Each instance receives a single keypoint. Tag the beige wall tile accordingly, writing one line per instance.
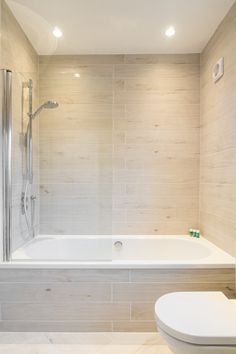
(55, 292)
(143, 311)
(59, 312)
(75, 60)
(55, 326)
(17, 52)
(70, 226)
(182, 276)
(171, 175)
(127, 121)
(159, 70)
(218, 156)
(150, 97)
(148, 292)
(63, 275)
(161, 58)
(134, 326)
(152, 228)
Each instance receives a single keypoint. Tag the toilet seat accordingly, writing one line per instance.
(200, 318)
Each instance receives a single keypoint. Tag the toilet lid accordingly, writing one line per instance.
(201, 318)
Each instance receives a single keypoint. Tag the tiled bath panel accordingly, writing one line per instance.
(101, 300)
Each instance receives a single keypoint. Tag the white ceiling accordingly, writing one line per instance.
(119, 26)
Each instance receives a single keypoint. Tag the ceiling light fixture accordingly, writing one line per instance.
(170, 31)
(57, 32)
(77, 75)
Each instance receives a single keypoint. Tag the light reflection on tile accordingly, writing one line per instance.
(83, 349)
(86, 343)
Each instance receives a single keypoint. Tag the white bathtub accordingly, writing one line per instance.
(136, 252)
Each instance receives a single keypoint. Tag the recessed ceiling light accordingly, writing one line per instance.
(170, 31)
(57, 32)
(77, 75)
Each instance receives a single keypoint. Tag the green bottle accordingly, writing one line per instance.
(190, 231)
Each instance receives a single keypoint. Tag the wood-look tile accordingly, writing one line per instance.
(214, 275)
(185, 175)
(63, 275)
(88, 97)
(55, 326)
(165, 70)
(218, 176)
(72, 311)
(156, 97)
(155, 150)
(134, 326)
(152, 228)
(162, 58)
(159, 190)
(140, 137)
(68, 68)
(173, 214)
(76, 60)
(152, 203)
(147, 292)
(143, 311)
(163, 85)
(55, 292)
(70, 226)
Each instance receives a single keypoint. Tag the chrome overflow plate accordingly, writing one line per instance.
(118, 245)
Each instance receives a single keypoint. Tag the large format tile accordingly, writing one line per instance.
(56, 326)
(148, 292)
(214, 275)
(63, 275)
(128, 120)
(218, 158)
(70, 312)
(55, 292)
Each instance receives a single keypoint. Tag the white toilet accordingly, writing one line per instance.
(197, 322)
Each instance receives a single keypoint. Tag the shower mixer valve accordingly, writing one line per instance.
(24, 203)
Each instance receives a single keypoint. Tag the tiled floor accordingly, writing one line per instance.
(86, 343)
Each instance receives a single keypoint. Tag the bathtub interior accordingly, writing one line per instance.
(121, 250)
(65, 248)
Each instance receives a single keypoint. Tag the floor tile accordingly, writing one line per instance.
(82, 343)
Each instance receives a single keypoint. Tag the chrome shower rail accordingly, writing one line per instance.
(6, 160)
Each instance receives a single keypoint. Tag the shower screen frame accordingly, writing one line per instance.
(6, 162)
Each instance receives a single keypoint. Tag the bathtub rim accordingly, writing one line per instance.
(111, 265)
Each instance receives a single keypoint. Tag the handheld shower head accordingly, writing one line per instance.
(46, 105)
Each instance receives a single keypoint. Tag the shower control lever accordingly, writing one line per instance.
(24, 203)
